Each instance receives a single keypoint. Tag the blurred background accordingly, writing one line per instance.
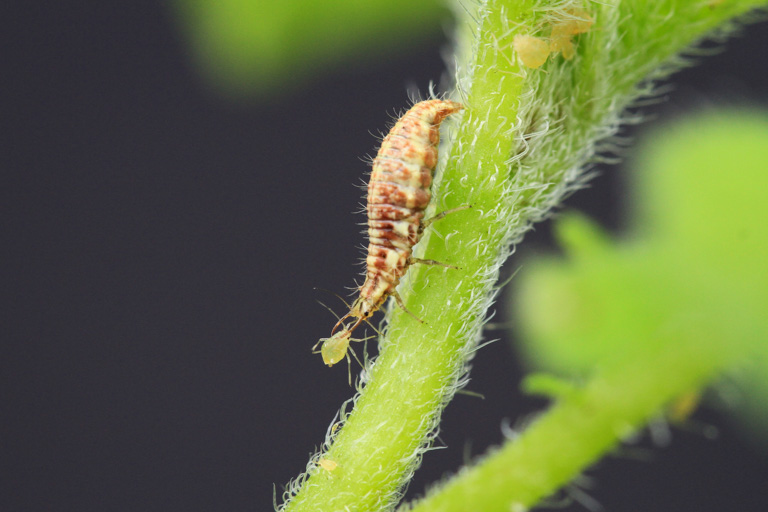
(177, 177)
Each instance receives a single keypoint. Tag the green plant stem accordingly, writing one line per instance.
(580, 428)
(421, 365)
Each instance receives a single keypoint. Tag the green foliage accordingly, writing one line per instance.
(644, 324)
(695, 265)
(251, 47)
(520, 146)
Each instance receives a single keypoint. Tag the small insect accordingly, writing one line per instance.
(327, 464)
(335, 348)
(533, 51)
(398, 194)
(577, 21)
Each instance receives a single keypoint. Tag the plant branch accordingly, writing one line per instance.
(583, 425)
(519, 148)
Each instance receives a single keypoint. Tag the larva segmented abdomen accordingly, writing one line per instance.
(398, 193)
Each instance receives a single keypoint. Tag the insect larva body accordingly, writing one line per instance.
(398, 194)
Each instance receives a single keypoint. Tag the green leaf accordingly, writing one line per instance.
(519, 147)
(695, 263)
(250, 46)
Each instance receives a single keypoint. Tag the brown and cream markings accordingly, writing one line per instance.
(398, 194)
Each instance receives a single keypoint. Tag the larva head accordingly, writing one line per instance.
(363, 309)
(444, 109)
(335, 348)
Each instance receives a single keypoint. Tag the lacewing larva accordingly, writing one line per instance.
(399, 191)
(398, 194)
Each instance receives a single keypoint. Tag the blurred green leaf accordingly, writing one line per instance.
(695, 264)
(258, 47)
(702, 191)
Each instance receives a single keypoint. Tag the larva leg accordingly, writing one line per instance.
(402, 306)
(431, 262)
(426, 223)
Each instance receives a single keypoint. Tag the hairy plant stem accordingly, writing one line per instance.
(581, 427)
(519, 148)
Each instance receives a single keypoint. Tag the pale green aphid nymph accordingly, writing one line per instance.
(335, 348)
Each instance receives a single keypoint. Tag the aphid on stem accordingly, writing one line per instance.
(533, 51)
(327, 464)
(575, 21)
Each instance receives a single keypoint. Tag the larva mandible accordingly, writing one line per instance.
(398, 194)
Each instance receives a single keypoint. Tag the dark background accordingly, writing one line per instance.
(160, 245)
